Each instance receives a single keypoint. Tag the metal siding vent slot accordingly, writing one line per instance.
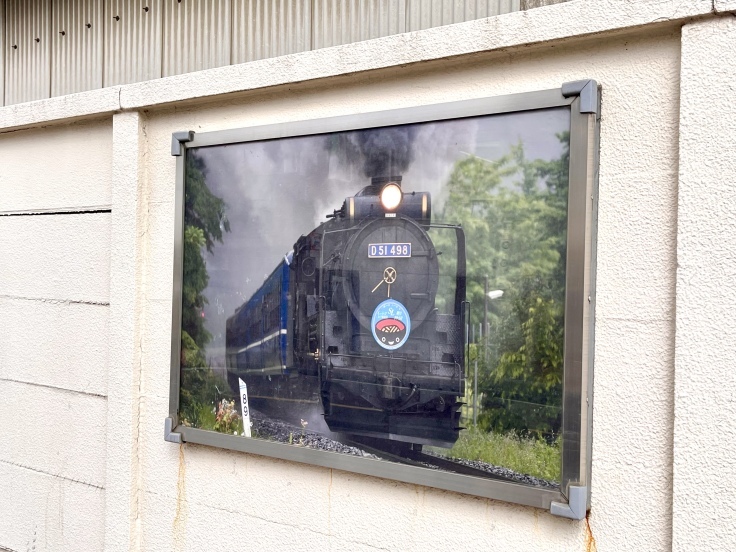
(28, 47)
(3, 40)
(424, 14)
(270, 28)
(196, 35)
(532, 4)
(76, 57)
(133, 41)
(341, 22)
(508, 6)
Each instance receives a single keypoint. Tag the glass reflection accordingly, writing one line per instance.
(394, 292)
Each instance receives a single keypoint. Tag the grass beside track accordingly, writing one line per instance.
(523, 455)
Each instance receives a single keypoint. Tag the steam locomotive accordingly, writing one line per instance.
(348, 322)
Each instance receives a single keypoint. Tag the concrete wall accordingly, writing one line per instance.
(705, 382)
(54, 300)
(665, 266)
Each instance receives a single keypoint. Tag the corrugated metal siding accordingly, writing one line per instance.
(76, 53)
(343, 21)
(133, 40)
(423, 14)
(28, 46)
(3, 38)
(85, 44)
(270, 28)
(196, 35)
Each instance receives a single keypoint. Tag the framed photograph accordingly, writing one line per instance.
(406, 294)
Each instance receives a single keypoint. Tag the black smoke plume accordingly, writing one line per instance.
(386, 151)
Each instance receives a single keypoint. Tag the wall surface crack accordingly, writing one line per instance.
(61, 211)
(56, 301)
(56, 475)
(55, 388)
(590, 545)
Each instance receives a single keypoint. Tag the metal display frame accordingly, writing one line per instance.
(573, 498)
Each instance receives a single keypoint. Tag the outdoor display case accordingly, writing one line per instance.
(407, 294)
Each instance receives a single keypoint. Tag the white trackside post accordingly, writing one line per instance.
(244, 407)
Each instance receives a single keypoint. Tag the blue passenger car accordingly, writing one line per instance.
(258, 333)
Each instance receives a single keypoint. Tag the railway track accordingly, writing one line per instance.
(280, 430)
(407, 455)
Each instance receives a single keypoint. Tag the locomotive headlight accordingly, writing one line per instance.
(391, 196)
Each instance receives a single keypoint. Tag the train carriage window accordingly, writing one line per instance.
(411, 286)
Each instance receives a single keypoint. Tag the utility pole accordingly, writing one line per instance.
(485, 330)
(485, 308)
(484, 338)
(475, 391)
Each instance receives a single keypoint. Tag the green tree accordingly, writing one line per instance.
(514, 213)
(203, 209)
(204, 223)
(471, 189)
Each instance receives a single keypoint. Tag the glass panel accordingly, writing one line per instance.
(394, 292)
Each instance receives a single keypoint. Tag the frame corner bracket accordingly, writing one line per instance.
(588, 92)
(577, 504)
(179, 138)
(169, 434)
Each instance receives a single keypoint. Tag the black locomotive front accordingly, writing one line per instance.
(366, 324)
(349, 323)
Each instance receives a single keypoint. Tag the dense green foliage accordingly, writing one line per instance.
(204, 223)
(514, 214)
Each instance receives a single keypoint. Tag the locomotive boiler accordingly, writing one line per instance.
(350, 321)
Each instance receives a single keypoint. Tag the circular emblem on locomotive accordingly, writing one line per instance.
(391, 324)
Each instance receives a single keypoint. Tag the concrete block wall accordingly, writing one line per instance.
(54, 300)
(92, 471)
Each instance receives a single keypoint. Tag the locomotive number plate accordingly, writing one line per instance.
(382, 250)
